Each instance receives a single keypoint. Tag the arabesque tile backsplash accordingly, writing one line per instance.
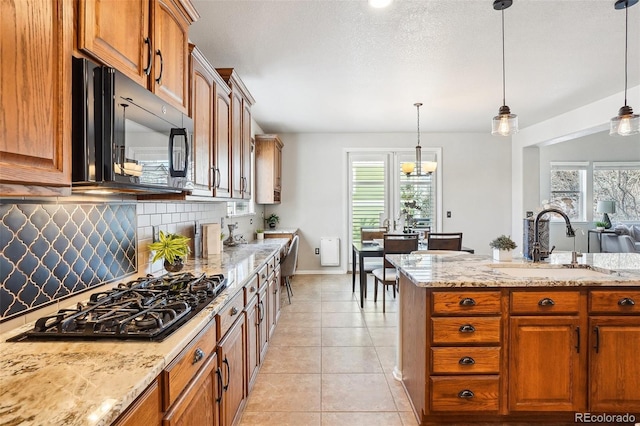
(52, 252)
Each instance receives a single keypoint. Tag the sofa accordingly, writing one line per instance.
(625, 240)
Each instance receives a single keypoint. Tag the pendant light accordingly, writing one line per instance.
(419, 167)
(505, 123)
(626, 123)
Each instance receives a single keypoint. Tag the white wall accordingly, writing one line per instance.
(476, 177)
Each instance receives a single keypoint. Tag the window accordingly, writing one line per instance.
(568, 189)
(378, 189)
(619, 182)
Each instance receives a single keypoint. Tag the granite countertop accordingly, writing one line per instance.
(93, 382)
(281, 231)
(468, 270)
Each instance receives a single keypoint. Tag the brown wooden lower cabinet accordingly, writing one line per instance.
(232, 362)
(146, 410)
(197, 405)
(544, 355)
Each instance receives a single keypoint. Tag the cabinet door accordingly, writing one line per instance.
(197, 405)
(117, 33)
(278, 169)
(202, 93)
(247, 150)
(222, 141)
(253, 341)
(232, 363)
(263, 320)
(614, 368)
(274, 300)
(546, 364)
(35, 94)
(171, 39)
(236, 146)
(146, 410)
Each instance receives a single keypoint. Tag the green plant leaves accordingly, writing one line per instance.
(170, 247)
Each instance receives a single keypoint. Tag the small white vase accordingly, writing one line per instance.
(259, 235)
(502, 255)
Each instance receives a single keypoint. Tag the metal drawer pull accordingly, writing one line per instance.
(467, 328)
(466, 394)
(234, 311)
(627, 301)
(466, 360)
(252, 289)
(546, 302)
(198, 355)
(467, 301)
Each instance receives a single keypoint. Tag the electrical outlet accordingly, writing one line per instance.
(156, 233)
(448, 214)
(317, 250)
(251, 221)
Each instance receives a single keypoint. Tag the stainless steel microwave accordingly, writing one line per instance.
(125, 138)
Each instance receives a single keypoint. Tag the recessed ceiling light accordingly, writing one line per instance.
(379, 4)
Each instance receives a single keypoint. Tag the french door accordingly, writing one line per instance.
(381, 194)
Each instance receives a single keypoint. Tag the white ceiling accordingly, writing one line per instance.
(341, 66)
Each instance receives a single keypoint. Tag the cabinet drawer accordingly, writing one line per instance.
(618, 301)
(251, 289)
(466, 360)
(226, 317)
(545, 302)
(464, 393)
(465, 330)
(184, 367)
(466, 302)
(271, 264)
(263, 274)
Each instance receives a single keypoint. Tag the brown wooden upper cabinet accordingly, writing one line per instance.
(210, 110)
(241, 142)
(145, 39)
(268, 169)
(35, 97)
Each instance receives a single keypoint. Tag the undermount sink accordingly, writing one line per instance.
(555, 271)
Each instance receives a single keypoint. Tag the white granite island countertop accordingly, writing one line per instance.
(93, 382)
(467, 270)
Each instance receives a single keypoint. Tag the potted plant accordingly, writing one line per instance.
(272, 220)
(502, 248)
(259, 234)
(601, 226)
(173, 248)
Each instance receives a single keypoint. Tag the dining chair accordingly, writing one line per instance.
(370, 234)
(288, 265)
(445, 241)
(388, 275)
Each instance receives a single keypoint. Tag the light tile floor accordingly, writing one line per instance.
(329, 362)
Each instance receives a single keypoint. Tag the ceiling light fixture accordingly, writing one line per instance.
(626, 122)
(419, 167)
(505, 123)
(379, 4)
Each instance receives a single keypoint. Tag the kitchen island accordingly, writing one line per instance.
(94, 382)
(519, 342)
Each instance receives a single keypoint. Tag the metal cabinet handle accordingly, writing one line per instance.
(234, 311)
(263, 276)
(467, 328)
(252, 289)
(260, 312)
(159, 79)
(578, 339)
(226, 362)
(626, 301)
(546, 302)
(147, 69)
(466, 360)
(596, 330)
(197, 356)
(218, 178)
(219, 376)
(466, 394)
(214, 177)
(467, 301)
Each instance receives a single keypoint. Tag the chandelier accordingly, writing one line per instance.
(419, 168)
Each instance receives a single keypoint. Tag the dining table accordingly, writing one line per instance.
(364, 249)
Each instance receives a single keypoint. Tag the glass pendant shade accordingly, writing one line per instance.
(505, 123)
(429, 167)
(408, 168)
(626, 123)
